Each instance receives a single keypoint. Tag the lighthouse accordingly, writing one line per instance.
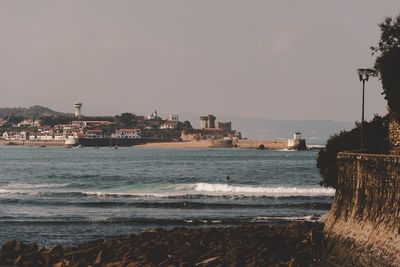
(78, 107)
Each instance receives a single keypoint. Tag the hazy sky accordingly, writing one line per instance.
(272, 59)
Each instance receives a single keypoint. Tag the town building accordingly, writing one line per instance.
(29, 123)
(128, 133)
(227, 126)
(173, 117)
(94, 133)
(153, 116)
(169, 125)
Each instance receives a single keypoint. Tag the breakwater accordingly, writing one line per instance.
(299, 144)
(363, 226)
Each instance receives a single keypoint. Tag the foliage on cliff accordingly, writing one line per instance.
(387, 62)
(376, 133)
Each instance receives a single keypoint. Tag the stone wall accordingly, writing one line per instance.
(394, 133)
(363, 226)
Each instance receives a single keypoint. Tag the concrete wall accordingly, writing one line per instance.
(363, 226)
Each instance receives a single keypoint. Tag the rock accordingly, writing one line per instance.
(99, 258)
(209, 260)
(19, 246)
(9, 245)
(32, 246)
(56, 250)
(18, 260)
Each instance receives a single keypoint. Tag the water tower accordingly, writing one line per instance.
(78, 107)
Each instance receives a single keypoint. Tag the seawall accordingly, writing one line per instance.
(33, 143)
(277, 144)
(363, 226)
(296, 144)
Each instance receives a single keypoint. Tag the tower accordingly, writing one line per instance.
(203, 122)
(78, 112)
(211, 121)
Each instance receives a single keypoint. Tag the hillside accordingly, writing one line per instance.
(32, 112)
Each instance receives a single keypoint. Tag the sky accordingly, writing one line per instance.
(288, 60)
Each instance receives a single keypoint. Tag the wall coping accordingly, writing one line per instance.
(368, 156)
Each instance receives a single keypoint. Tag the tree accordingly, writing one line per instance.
(54, 120)
(387, 62)
(184, 126)
(126, 119)
(377, 141)
(14, 119)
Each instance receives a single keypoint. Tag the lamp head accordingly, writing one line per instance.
(364, 74)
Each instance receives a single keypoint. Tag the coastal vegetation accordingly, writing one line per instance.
(377, 142)
(387, 65)
(387, 62)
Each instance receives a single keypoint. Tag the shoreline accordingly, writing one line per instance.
(288, 244)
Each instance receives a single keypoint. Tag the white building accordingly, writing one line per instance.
(169, 125)
(153, 115)
(295, 140)
(173, 117)
(94, 133)
(6, 136)
(59, 136)
(29, 123)
(15, 135)
(127, 133)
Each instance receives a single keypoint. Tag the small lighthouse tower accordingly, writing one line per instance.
(78, 107)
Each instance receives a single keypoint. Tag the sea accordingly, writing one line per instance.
(55, 195)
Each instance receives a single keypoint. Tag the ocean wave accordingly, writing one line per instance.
(263, 191)
(191, 191)
(310, 218)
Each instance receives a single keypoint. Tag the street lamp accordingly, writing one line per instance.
(363, 74)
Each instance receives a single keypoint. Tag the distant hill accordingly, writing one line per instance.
(32, 112)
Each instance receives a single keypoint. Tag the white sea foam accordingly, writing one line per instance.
(23, 186)
(310, 218)
(210, 189)
(262, 190)
(13, 191)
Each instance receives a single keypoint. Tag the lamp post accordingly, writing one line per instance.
(363, 74)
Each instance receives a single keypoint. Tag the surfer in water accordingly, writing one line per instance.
(228, 178)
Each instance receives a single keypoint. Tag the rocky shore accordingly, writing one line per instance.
(247, 245)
